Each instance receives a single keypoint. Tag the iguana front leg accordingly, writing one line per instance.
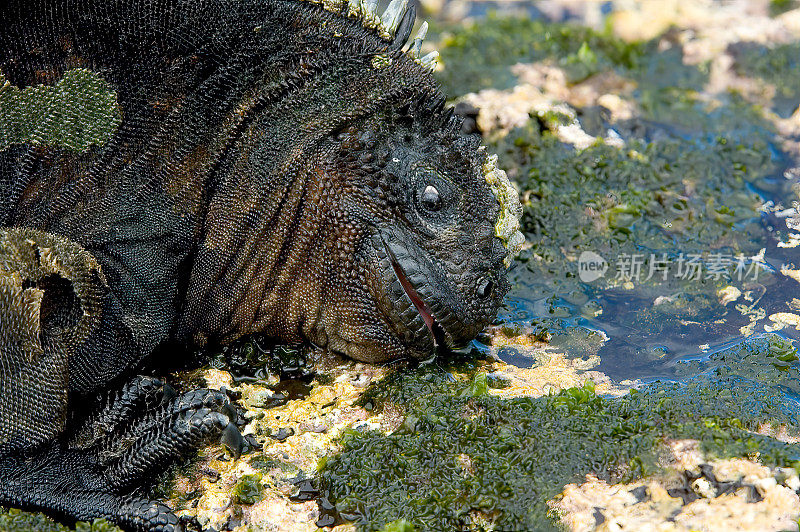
(51, 300)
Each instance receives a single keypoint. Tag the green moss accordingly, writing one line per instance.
(79, 111)
(165, 486)
(480, 56)
(770, 360)
(401, 525)
(777, 7)
(265, 463)
(13, 520)
(466, 460)
(647, 195)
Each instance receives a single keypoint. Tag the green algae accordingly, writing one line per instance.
(776, 65)
(769, 359)
(79, 111)
(248, 490)
(645, 195)
(165, 486)
(401, 525)
(479, 56)
(13, 520)
(466, 460)
(778, 7)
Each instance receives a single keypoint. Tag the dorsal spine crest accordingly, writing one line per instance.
(386, 25)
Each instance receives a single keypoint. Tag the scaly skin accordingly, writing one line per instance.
(195, 172)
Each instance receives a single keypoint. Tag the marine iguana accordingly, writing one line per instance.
(198, 170)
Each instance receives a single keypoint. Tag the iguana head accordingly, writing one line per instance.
(428, 265)
(350, 211)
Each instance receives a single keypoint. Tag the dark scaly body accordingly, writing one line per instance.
(265, 166)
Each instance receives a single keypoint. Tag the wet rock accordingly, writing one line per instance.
(720, 495)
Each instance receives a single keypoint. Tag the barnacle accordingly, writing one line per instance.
(507, 226)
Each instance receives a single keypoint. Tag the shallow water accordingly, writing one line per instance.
(644, 343)
(730, 212)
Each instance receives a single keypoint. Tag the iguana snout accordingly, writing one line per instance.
(453, 302)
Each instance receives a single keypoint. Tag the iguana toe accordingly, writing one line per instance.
(232, 439)
(149, 516)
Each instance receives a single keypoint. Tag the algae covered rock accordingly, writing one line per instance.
(463, 458)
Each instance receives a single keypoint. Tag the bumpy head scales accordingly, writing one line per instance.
(507, 226)
(395, 24)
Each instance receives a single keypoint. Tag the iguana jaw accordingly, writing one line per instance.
(435, 329)
(426, 305)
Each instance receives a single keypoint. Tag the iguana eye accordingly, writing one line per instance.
(430, 199)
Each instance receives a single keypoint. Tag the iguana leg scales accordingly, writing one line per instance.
(121, 407)
(109, 471)
(168, 434)
(67, 484)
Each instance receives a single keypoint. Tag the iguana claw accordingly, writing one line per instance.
(232, 439)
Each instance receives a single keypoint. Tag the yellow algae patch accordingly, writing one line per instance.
(781, 320)
(217, 379)
(579, 505)
(683, 455)
(556, 373)
(314, 421)
(552, 370)
(280, 514)
(292, 436)
(544, 90)
(525, 339)
(213, 477)
(794, 274)
(728, 294)
(507, 226)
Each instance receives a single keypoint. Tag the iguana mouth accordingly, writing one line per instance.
(434, 327)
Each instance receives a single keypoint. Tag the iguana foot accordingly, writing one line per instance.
(103, 468)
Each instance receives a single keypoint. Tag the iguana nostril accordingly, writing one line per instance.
(485, 286)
